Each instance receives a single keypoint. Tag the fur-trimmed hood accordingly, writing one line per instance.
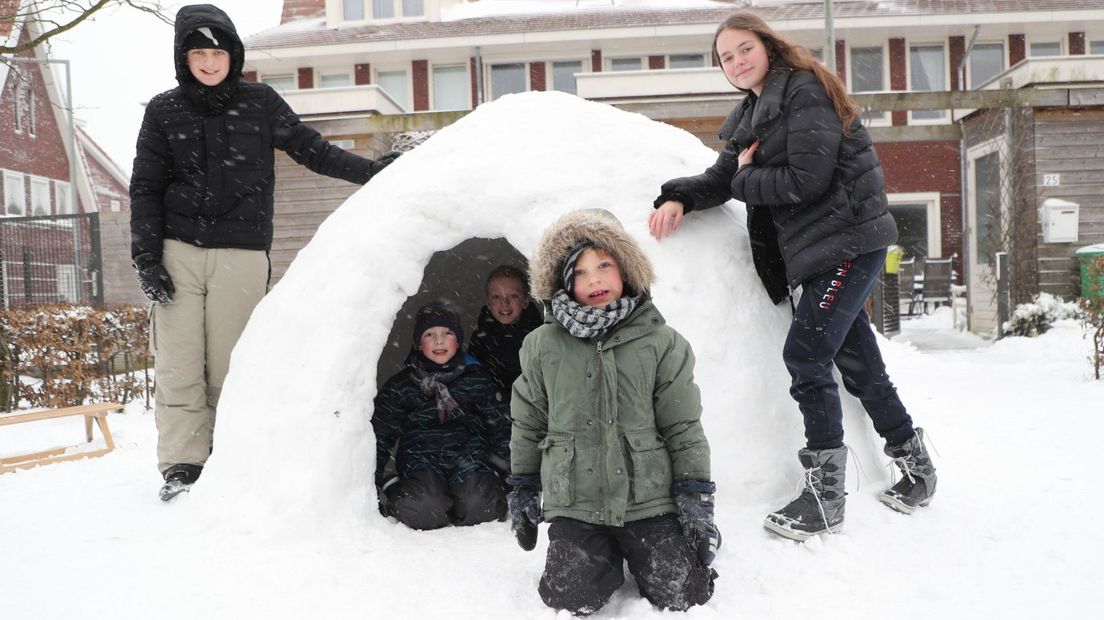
(599, 227)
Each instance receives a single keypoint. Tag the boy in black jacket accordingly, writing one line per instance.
(201, 223)
(508, 316)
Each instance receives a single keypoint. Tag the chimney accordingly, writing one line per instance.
(302, 9)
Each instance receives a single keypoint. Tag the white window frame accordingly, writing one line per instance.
(488, 77)
(608, 62)
(408, 71)
(40, 195)
(61, 198)
(1090, 40)
(11, 179)
(705, 60)
(368, 9)
(970, 82)
(994, 145)
(116, 206)
(876, 119)
(551, 72)
(265, 79)
(320, 74)
(932, 200)
(466, 66)
(1062, 50)
(943, 117)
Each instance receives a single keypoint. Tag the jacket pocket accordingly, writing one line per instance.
(557, 464)
(651, 466)
(245, 144)
(187, 143)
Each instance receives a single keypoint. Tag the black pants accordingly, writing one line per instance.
(424, 501)
(585, 565)
(830, 325)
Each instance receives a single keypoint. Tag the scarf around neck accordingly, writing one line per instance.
(433, 382)
(587, 322)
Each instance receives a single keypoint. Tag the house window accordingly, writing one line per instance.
(625, 64)
(352, 10)
(413, 8)
(1045, 48)
(383, 9)
(40, 196)
(1096, 47)
(23, 105)
(15, 198)
(335, 80)
(987, 195)
(868, 75)
(507, 79)
(986, 62)
(451, 88)
(61, 197)
(917, 217)
(563, 75)
(685, 61)
(927, 72)
(282, 83)
(116, 206)
(396, 85)
(32, 125)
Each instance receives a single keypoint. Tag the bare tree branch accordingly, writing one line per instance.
(54, 17)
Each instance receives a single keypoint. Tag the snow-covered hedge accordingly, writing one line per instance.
(1036, 317)
(58, 356)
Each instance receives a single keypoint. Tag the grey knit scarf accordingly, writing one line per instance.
(433, 385)
(587, 322)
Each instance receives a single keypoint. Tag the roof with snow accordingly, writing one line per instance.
(316, 32)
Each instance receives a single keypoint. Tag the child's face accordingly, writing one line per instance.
(209, 66)
(598, 280)
(439, 344)
(506, 299)
(744, 59)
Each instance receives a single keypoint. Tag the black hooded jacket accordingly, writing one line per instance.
(205, 169)
(496, 346)
(815, 197)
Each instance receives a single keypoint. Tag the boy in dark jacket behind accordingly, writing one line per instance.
(201, 223)
(451, 428)
(508, 316)
(607, 424)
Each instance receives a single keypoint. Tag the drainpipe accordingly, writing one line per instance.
(830, 38)
(479, 98)
(963, 165)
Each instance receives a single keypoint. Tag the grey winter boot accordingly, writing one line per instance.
(917, 484)
(819, 508)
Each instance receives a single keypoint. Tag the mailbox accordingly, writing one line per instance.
(1059, 220)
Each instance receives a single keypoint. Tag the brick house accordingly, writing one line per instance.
(47, 169)
(348, 66)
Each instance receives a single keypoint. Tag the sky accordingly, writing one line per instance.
(123, 57)
(283, 522)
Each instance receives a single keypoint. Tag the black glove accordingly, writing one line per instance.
(695, 506)
(381, 494)
(525, 512)
(383, 161)
(154, 279)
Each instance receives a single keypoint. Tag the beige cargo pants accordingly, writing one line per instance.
(192, 337)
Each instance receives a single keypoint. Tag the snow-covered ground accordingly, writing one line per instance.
(283, 523)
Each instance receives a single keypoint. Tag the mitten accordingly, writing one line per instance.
(381, 493)
(383, 161)
(154, 279)
(695, 506)
(525, 512)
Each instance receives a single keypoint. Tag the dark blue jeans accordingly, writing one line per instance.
(830, 326)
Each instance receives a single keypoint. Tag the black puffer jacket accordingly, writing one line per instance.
(204, 169)
(815, 197)
(496, 346)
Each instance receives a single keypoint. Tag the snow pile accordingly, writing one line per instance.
(293, 436)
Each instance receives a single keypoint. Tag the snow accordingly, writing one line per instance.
(283, 523)
(496, 8)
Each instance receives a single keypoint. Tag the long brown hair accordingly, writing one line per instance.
(794, 56)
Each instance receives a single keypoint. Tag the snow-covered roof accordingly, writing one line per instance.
(468, 19)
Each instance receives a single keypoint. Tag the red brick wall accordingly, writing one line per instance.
(958, 50)
(841, 60)
(299, 9)
(421, 85)
(362, 74)
(249, 76)
(898, 75)
(1017, 50)
(536, 76)
(44, 154)
(928, 167)
(596, 61)
(657, 62)
(306, 77)
(1076, 43)
(474, 83)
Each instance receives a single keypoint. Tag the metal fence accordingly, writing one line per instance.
(51, 259)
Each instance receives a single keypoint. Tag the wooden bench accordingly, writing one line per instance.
(97, 412)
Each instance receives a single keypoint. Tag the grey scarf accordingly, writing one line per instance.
(432, 384)
(587, 322)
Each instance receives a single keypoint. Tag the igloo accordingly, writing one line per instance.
(294, 443)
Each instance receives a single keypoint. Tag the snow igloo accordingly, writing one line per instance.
(294, 442)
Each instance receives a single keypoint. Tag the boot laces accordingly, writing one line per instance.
(814, 476)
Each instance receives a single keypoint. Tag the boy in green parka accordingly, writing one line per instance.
(607, 423)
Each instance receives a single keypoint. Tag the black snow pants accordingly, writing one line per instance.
(830, 326)
(425, 501)
(585, 565)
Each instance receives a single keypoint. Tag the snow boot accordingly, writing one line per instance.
(178, 479)
(917, 485)
(819, 507)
